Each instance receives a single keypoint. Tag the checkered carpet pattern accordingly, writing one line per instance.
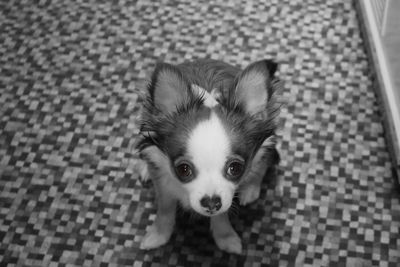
(71, 78)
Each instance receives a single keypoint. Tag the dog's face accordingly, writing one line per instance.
(210, 170)
(209, 141)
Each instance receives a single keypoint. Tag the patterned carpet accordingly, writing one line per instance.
(71, 73)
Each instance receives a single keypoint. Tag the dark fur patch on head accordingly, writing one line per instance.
(169, 132)
(247, 131)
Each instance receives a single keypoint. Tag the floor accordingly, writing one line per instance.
(71, 73)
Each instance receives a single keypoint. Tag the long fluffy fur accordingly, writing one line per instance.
(208, 113)
(223, 77)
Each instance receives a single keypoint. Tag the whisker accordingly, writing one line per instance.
(234, 209)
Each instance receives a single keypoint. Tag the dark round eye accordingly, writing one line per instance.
(184, 171)
(235, 169)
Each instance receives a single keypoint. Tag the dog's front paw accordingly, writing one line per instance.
(142, 170)
(154, 239)
(230, 243)
(249, 193)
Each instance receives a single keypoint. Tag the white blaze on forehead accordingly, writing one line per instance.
(209, 145)
(209, 99)
(208, 148)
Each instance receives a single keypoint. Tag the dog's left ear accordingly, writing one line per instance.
(253, 85)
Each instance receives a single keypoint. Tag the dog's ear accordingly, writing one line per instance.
(253, 85)
(168, 87)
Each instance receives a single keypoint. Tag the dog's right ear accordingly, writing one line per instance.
(168, 88)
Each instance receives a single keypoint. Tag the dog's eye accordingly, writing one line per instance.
(184, 172)
(235, 169)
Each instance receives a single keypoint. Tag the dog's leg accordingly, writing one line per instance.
(141, 168)
(225, 237)
(161, 230)
(250, 189)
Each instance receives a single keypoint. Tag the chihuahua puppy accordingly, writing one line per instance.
(208, 133)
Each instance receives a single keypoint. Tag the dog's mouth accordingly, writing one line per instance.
(209, 212)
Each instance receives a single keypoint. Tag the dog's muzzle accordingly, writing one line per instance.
(211, 204)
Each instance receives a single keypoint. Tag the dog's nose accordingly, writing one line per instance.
(211, 203)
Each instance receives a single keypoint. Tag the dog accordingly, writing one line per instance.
(207, 136)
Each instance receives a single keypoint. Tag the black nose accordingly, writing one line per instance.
(211, 203)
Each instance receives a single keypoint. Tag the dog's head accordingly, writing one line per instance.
(209, 135)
